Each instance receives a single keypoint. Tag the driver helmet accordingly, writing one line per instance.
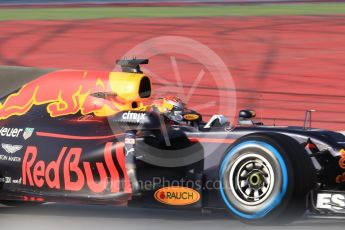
(169, 105)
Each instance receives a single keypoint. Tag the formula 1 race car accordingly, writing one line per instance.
(95, 137)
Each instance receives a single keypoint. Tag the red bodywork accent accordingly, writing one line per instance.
(211, 140)
(72, 137)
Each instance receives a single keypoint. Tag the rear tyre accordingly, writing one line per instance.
(265, 178)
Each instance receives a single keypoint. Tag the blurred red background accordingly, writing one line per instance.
(281, 66)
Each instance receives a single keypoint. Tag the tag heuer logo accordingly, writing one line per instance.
(11, 148)
(28, 133)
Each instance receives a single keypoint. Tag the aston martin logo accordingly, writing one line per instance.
(11, 148)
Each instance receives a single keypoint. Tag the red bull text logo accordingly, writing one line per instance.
(76, 175)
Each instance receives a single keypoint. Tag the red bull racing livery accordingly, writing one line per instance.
(100, 138)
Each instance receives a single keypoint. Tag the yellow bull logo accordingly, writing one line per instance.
(70, 92)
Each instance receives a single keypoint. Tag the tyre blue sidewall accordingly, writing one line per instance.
(278, 197)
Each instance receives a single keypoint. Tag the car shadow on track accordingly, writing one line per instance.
(95, 211)
(112, 212)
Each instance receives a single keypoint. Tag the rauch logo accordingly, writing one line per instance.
(177, 196)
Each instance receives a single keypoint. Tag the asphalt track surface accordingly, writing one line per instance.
(57, 216)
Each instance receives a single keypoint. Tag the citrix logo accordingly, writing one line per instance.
(133, 116)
